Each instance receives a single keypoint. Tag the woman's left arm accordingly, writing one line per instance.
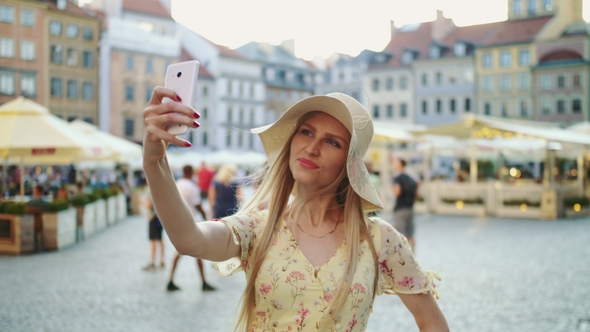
(426, 312)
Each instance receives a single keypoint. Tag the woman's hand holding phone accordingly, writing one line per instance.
(158, 116)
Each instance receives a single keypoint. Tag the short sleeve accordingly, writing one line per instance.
(400, 272)
(245, 229)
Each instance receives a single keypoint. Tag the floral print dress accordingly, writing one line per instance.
(293, 295)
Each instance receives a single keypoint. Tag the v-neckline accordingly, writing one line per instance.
(316, 268)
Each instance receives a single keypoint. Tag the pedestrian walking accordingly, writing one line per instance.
(155, 230)
(405, 189)
(205, 176)
(192, 196)
(224, 193)
(313, 260)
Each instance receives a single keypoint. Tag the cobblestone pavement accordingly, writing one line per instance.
(498, 275)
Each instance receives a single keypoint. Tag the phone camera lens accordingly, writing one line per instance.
(179, 74)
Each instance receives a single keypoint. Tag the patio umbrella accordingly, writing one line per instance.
(29, 133)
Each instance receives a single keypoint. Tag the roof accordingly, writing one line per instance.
(70, 9)
(151, 7)
(273, 54)
(417, 37)
(517, 32)
(186, 56)
(475, 34)
(226, 51)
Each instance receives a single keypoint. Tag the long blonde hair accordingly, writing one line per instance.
(226, 174)
(276, 188)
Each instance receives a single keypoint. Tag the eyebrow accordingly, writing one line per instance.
(327, 134)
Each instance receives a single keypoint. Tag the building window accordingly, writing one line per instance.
(72, 89)
(88, 91)
(561, 82)
(27, 18)
(229, 87)
(56, 87)
(228, 138)
(424, 79)
(129, 127)
(129, 93)
(72, 31)
(6, 47)
(546, 106)
(205, 91)
(504, 109)
(27, 50)
(149, 66)
(229, 115)
(505, 82)
(452, 77)
(524, 57)
(438, 106)
(71, 57)
(55, 28)
(389, 110)
(487, 83)
(6, 14)
(6, 82)
(403, 110)
(459, 49)
(434, 51)
(505, 59)
(87, 34)
(56, 54)
(148, 94)
(403, 83)
(87, 59)
(486, 60)
(438, 78)
(453, 106)
(548, 5)
(28, 85)
(375, 111)
(532, 7)
(487, 109)
(560, 106)
(424, 107)
(205, 139)
(89, 120)
(577, 81)
(204, 112)
(524, 109)
(389, 84)
(576, 106)
(468, 74)
(517, 7)
(375, 85)
(467, 105)
(524, 81)
(545, 82)
(129, 63)
(407, 57)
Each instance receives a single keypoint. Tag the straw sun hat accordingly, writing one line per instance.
(353, 116)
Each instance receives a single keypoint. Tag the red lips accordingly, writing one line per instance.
(306, 163)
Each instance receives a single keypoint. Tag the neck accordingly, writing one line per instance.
(317, 213)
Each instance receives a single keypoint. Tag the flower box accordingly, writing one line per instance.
(17, 234)
(514, 211)
(59, 229)
(583, 212)
(86, 216)
(476, 210)
(111, 210)
(121, 207)
(100, 219)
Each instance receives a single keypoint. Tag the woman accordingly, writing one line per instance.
(224, 193)
(313, 259)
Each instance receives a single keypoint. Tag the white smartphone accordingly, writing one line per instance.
(182, 78)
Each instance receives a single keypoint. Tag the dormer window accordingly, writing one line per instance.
(434, 51)
(548, 5)
(408, 56)
(460, 49)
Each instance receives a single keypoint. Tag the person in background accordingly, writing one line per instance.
(224, 193)
(314, 260)
(405, 189)
(205, 176)
(155, 230)
(192, 196)
(36, 206)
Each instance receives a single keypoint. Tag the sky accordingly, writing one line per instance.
(323, 27)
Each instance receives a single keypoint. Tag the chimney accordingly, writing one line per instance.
(442, 26)
(289, 46)
(393, 29)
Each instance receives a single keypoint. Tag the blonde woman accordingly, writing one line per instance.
(313, 262)
(224, 192)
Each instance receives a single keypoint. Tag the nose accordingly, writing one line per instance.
(313, 148)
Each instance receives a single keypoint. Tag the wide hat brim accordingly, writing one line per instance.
(353, 116)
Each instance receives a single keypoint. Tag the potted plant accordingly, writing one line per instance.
(462, 206)
(100, 221)
(17, 229)
(520, 208)
(59, 225)
(85, 214)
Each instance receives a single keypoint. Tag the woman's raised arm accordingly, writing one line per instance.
(210, 240)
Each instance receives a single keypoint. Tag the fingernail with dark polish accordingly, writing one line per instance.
(196, 124)
(196, 115)
(188, 144)
(178, 98)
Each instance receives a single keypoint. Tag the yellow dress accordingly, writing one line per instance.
(292, 296)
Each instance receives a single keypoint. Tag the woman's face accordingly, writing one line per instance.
(318, 151)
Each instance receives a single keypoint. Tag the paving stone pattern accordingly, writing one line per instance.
(498, 275)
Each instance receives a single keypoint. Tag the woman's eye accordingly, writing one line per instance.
(305, 132)
(333, 142)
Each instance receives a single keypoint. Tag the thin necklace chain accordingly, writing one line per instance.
(322, 236)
